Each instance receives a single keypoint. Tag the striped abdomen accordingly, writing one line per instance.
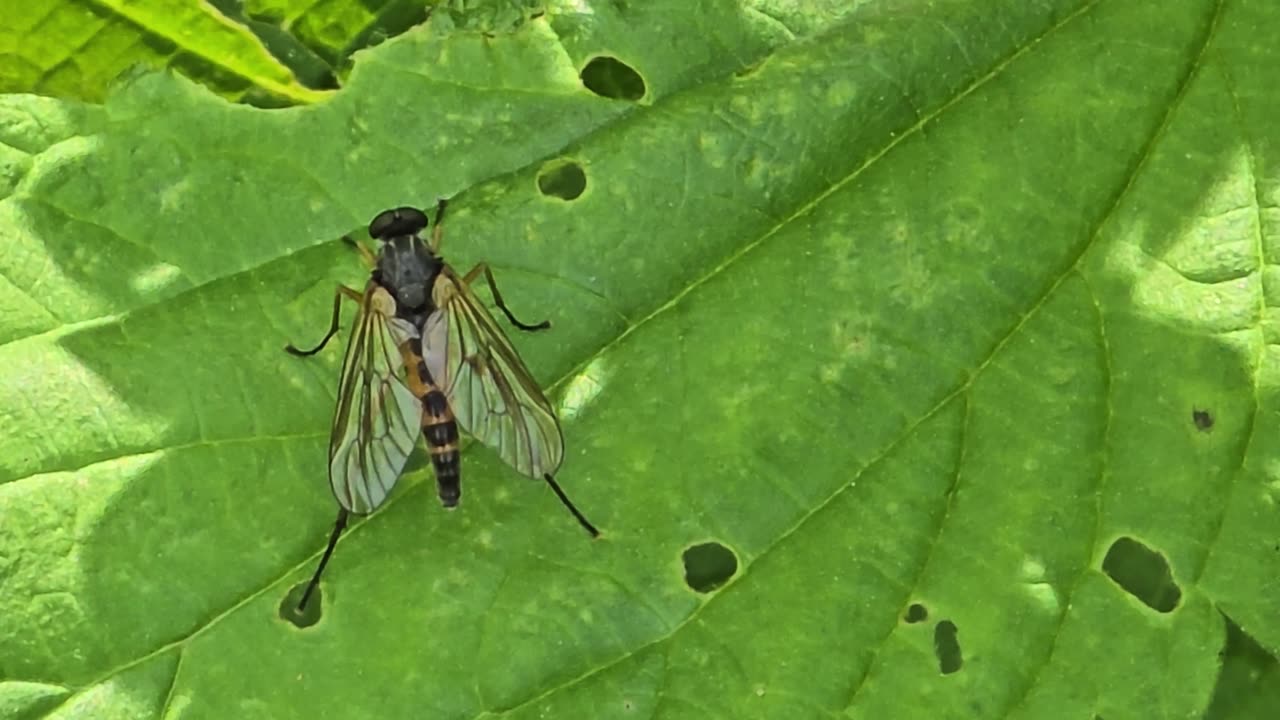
(438, 427)
(441, 432)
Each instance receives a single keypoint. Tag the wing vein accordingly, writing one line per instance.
(369, 447)
(492, 393)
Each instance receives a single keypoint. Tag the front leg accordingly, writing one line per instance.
(497, 297)
(342, 290)
(365, 253)
(435, 234)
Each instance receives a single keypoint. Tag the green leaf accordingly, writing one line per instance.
(949, 323)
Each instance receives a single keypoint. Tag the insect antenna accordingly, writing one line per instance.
(338, 526)
(582, 520)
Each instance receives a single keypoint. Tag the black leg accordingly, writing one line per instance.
(497, 298)
(333, 324)
(582, 520)
(338, 526)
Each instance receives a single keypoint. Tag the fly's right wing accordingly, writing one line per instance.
(378, 417)
(490, 390)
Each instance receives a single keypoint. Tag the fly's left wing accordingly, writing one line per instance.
(378, 416)
(491, 392)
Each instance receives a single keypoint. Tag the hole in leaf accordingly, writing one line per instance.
(563, 179)
(1143, 573)
(916, 613)
(610, 77)
(289, 607)
(1203, 420)
(946, 646)
(709, 565)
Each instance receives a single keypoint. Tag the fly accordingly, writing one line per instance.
(425, 355)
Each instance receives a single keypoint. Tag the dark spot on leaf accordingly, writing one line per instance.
(1202, 419)
(1245, 664)
(563, 179)
(916, 613)
(610, 77)
(393, 19)
(748, 70)
(267, 15)
(946, 646)
(708, 565)
(264, 100)
(307, 617)
(1143, 573)
(628, 705)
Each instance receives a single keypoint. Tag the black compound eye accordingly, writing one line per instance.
(397, 222)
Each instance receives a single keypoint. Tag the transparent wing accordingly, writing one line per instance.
(491, 392)
(378, 418)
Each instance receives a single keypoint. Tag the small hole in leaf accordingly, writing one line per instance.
(610, 77)
(1143, 573)
(306, 617)
(1203, 420)
(563, 179)
(916, 613)
(709, 565)
(946, 646)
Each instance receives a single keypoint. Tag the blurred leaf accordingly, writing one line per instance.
(918, 310)
(76, 49)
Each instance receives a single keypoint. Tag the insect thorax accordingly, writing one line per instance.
(408, 269)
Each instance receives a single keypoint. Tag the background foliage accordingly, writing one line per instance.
(950, 320)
